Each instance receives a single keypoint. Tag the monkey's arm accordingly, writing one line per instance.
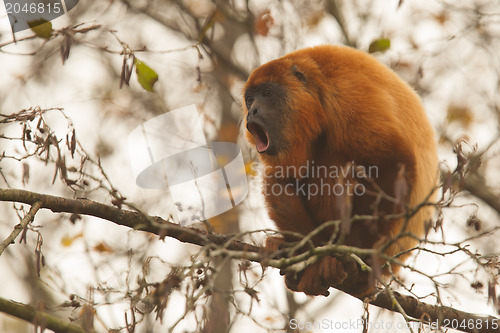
(287, 208)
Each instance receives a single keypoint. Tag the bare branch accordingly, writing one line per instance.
(476, 185)
(127, 218)
(36, 317)
(445, 316)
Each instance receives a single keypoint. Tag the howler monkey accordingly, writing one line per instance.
(340, 134)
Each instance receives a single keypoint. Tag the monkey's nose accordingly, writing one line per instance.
(253, 112)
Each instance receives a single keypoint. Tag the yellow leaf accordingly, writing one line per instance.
(222, 160)
(460, 114)
(102, 247)
(217, 222)
(250, 168)
(67, 241)
(41, 28)
(146, 76)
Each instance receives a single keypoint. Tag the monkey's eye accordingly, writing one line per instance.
(249, 100)
(266, 92)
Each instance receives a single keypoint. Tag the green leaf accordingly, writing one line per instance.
(41, 28)
(146, 76)
(380, 45)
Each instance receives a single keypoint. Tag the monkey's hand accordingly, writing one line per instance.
(327, 272)
(331, 272)
(274, 244)
(317, 278)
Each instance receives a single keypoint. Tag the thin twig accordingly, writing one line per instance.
(28, 218)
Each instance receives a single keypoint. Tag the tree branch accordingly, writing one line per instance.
(36, 317)
(127, 218)
(334, 9)
(232, 247)
(437, 316)
(476, 185)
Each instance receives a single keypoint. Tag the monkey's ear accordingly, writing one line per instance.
(298, 74)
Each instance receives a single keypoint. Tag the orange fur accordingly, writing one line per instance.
(348, 108)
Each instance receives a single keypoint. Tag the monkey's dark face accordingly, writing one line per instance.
(283, 110)
(265, 118)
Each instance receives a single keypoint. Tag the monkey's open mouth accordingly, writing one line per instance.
(260, 135)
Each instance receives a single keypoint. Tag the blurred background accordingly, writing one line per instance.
(78, 82)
